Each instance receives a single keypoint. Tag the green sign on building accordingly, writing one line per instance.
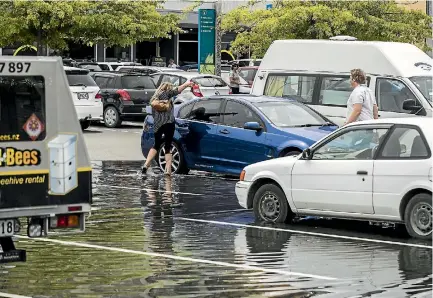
(206, 40)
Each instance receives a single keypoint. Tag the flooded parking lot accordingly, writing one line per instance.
(186, 236)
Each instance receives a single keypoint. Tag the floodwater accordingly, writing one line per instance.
(186, 236)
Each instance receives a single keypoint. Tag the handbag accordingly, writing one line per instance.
(160, 106)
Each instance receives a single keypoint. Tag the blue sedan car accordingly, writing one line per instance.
(224, 134)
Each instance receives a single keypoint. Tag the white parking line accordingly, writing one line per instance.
(179, 258)
(305, 232)
(13, 295)
(153, 190)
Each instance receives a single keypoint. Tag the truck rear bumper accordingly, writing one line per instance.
(41, 211)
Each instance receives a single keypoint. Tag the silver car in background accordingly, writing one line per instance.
(205, 84)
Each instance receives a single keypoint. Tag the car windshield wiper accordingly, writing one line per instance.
(139, 87)
(78, 84)
(328, 124)
(306, 125)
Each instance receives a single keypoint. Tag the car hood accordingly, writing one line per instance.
(313, 134)
(278, 166)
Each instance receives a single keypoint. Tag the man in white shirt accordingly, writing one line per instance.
(362, 103)
(171, 64)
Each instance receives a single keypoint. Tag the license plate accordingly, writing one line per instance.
(7, 227)
(83, 95)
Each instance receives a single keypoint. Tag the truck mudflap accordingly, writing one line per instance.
(9, 253)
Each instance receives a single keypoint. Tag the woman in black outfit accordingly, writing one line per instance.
(163, 124)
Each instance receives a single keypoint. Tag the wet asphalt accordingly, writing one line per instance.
(186, 236)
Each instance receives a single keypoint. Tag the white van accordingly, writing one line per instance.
(317, 72)
(85, 94)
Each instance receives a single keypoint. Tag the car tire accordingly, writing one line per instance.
(270, 205)
(178, 163)
(418, 216)
(85, 124)
(112, 117)
(291, 153)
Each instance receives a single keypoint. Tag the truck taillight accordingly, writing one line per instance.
(124, 95)
(196, 91)
(65, 221)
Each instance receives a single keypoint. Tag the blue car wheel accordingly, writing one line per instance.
(178, 165)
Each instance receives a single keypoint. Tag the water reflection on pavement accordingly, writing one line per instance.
(186, 236)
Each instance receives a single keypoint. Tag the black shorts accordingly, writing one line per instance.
(168, 131)
(235, 90)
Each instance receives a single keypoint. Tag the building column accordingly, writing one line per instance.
(100, 52)
(176, 49)
(133, 52)
(158, 49)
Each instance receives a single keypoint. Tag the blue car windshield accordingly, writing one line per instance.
(289, 114)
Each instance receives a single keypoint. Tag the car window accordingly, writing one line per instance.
(354, 144)
(114, 66)
(185, 111)
(391, 94)
(291, 85)
(155, 78)
(80, 79)
(335, 91)
(170, 79)
(210, 82)
(137, 82)
(248, 74)
(405, 142)
(101, 81)
(22, 108)
(104, 66)
(124, 69)
(206, 111)
(290, 113)
(237, 114)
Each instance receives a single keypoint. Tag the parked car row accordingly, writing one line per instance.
(112, 96)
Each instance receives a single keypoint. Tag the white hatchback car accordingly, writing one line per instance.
(377, 170)
(85, 94)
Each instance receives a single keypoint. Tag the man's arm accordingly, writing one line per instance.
(357, 108)
(375, 112)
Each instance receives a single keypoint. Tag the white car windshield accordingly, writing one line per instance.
(424, 85)
(290, 114)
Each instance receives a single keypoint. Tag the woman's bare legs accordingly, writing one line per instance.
(150, 156)
(168, 161)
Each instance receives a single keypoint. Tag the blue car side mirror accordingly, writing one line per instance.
(253, 126)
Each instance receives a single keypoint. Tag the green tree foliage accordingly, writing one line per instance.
(366, 20)
(115, 22)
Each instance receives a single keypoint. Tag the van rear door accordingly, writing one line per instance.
(43, 157)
